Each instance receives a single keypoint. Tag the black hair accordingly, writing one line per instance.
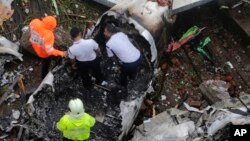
(111, 28)
(74, 32)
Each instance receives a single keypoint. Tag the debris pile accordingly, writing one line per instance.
(177, 125)
(188, 77)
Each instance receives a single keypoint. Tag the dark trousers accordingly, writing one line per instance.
(45, 67)
(85, 67)
(129, 70)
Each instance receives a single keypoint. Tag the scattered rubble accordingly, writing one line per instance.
(177, 125)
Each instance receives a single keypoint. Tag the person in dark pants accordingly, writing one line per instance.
(118, 44)
(85, 67)
(45, 66)
(84, 57)
(129, 70)
(42, 40)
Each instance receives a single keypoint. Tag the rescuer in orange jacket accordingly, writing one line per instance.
(42, 39)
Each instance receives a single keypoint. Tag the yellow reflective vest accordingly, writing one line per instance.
(76, 128)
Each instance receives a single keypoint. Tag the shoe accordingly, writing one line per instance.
(104, 83)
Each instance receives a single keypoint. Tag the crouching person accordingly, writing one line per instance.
(76, 124)
(119, 45)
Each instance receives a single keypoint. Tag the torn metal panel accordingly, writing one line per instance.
(177, 5)
(162, 128)
(129, 112)
(204, 125)
(183, 5)
(48, 80)
(8, 47)
(220, 119)
(109, 3)
(147, 13)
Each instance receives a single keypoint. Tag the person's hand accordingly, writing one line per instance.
(74, 67)
(65, 54)
(99, 54)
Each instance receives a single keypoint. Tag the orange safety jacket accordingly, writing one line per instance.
(42, 40)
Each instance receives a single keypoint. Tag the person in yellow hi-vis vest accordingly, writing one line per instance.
(76, 124)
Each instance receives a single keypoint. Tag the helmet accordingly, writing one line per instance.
(49, 22)
(76, 107)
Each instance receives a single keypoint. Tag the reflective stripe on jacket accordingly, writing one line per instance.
(76, 128)
(42, 40)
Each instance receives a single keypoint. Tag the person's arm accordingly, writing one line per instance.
(109, 52)
(91, 121)
(73, 63)
(49, 46)
(96, 48)
(61, 124)
(111, 55)
(98, 52)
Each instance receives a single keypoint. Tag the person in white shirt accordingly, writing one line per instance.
(118, 44)
(84, 57)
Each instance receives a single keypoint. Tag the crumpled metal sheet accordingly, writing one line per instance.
(8, 47)
(162, 128)
(208, 121)
(129, 111)
(48, 80)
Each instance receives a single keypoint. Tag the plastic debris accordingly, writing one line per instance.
(16, 114)
(163, 97)
(229, 64)
(201, 48)
(189, 35)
